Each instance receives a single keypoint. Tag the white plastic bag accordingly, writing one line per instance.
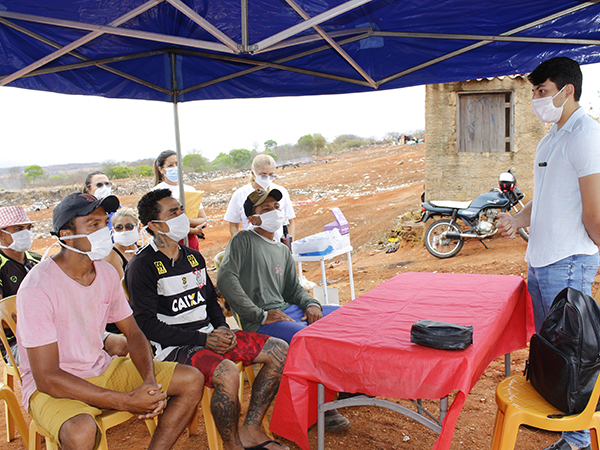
(318, 244)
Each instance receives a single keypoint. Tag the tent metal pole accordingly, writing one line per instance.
(127, 32)
(244, 13)
(173, 57)
(334, 44)
(318, 19)
(78, 43)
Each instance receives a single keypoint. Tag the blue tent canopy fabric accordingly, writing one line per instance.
(220, 49)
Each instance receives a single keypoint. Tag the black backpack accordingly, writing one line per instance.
(564, 358)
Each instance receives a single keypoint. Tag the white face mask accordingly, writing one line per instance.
(100, 240)
(272, 221)
(21, 240)
(264, 181)
(126, 238)
(545, 110)
(179, 227)
(172, 174)
(103, 192)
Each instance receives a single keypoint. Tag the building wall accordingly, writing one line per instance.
(461, 176)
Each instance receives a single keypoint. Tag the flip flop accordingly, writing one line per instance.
(263, 445)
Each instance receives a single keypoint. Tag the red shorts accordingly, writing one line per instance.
(249, 345)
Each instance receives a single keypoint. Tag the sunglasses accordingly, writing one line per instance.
(127, 227)
(105, 183)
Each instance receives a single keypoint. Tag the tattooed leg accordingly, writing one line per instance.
(265, 387)
(225, 405)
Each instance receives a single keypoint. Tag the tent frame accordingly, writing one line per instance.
(226, 49)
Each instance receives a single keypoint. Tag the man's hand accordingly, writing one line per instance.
(221, 340)
(146, 401)
(275, 315)
(196, 230)
(312, 314)
(506, 225)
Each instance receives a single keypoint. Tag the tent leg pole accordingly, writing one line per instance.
(177, 137)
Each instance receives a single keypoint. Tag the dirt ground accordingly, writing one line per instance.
(372, 187)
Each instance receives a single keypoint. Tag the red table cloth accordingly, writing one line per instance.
(365, 346)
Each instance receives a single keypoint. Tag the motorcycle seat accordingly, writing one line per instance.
(450, 204)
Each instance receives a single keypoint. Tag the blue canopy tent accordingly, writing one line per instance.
(184, 50)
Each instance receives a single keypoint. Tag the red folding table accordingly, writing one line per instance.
(365, 347)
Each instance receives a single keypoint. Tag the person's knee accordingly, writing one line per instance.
(274, 352)
(78, 432)
(186, 381)
(280, 347)
(226, 376)
(116, 345)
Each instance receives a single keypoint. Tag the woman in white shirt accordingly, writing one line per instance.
(166, 176)
(263, 174)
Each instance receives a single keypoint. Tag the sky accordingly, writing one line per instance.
(46, 129)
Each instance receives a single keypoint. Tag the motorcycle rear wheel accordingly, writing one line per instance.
(439, 246)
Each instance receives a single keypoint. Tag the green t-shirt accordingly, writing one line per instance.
(257, 275)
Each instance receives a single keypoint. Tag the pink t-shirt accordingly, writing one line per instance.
(52, 307)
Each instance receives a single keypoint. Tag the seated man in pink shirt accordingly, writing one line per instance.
(63, 306)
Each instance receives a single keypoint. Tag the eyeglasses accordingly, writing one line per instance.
(128, 227)
(105, 183)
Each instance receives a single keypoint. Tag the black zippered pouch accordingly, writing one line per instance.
(441, 335)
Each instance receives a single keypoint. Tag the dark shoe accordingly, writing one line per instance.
(561, 444)
(343, 395)
(334, 421)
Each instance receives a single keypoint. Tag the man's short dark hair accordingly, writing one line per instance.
(561, 71)
(149, 208)
(70, 225)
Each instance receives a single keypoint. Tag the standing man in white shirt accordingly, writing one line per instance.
(263, 175)
(564, 213)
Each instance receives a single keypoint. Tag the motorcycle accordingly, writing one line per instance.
(444, 238)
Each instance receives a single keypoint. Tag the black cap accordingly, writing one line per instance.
(79, 205)
(258, 197)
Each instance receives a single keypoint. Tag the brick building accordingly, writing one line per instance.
(475, 130)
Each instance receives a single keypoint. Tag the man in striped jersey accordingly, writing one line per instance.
(175, 305)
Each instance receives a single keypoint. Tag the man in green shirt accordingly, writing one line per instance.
(258, 279)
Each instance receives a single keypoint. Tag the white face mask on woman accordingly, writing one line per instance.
(272, 221)
(264, 181)
(21, 240)
(126, 238)
(100, 240)
(179, 227)
(545, 110)
(103, 192)
(172, 174)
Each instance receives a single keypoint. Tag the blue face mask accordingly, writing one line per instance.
(172, 174)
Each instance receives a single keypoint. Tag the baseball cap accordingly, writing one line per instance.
(78, 205)
(13, 215)
(258, 197)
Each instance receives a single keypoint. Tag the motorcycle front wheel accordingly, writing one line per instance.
(440, 246)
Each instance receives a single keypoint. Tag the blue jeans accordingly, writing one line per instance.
(285, 329)
(544, 284)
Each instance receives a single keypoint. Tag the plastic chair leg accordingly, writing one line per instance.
(594, 438)
(35, 438)
(509, 430)
(497, 430)
(9, 380)
(13, 415)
